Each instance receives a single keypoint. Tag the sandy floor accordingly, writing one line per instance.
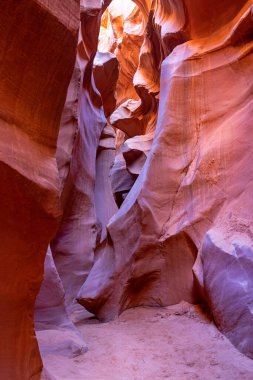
(175, 343)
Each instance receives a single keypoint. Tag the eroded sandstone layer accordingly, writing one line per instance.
(38, 49)
(125, 155)
(192, 198)
(74, 244)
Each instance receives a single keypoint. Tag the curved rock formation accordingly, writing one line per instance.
(56, 334)
(73, 246)
(197, 178)
(38, 44)
(144, 197)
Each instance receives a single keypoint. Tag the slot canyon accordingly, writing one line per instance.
(126, 190)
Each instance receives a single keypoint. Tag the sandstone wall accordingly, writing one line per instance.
(192, 198)
(144, 197)
(38, 49)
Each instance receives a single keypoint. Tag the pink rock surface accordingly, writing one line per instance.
(56, 334)
(134, 174)
(176, 342)
(197, 178)
(74, 244)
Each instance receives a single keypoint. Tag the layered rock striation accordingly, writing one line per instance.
(191, 199)
(125, 155)
(38, 49)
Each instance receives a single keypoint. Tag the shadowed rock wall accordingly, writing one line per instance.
(38, 49)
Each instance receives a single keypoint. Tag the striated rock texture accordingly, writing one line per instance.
(193, 196)
(143, 196)
(38, 49)
(74, 244)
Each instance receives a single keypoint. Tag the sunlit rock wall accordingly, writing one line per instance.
(193, 196)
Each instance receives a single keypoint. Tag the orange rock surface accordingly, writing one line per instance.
(38, 48)
(125, 160)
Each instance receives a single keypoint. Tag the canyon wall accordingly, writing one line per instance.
(74, 244)
(38, 49)
(126, 157)
(191, 203)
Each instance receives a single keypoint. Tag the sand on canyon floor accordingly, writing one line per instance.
(178, 342)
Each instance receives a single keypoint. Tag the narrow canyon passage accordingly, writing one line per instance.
(177, 342)
(126, 190)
